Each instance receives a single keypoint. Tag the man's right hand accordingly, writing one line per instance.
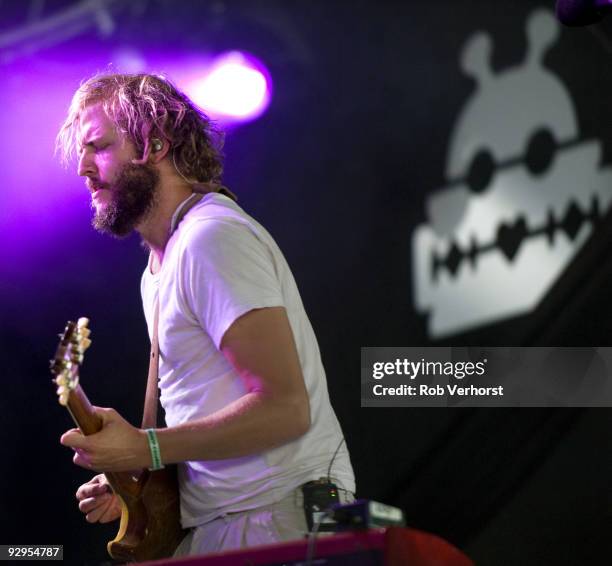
(97, 501)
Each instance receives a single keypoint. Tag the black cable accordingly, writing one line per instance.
(332, 460)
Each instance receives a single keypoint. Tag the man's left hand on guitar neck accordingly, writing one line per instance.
(117, 447)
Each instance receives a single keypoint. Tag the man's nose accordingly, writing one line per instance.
(86, 166)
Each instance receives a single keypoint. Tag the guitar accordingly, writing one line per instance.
(150, 517)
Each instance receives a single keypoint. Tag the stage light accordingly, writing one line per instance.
(236, 88)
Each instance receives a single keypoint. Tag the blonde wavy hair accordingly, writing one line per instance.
(143, 107)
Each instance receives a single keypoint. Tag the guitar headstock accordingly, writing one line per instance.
(69, 357)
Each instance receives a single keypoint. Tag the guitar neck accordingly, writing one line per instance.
(82, 412)
(65, 367)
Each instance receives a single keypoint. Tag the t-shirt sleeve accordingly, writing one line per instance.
(227, 270)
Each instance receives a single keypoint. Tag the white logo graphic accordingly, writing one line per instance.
(523, 193)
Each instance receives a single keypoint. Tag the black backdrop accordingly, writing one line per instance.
(366, 94)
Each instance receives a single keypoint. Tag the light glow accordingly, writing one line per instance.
(237, 87)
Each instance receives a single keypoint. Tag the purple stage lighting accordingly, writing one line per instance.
(129, 60)
(236, 88)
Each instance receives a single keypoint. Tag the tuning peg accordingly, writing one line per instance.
(82, 322)
(84, 343)
(63, 399)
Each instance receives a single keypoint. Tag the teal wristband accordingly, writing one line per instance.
(154, 448)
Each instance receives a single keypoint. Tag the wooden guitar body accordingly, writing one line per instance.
(150, 512)
(150, 516)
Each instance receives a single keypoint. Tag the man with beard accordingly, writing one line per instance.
(248, 416)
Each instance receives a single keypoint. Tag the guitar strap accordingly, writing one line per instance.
(149, 417)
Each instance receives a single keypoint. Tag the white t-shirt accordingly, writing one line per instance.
(218, 265)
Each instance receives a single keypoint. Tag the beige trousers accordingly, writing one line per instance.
(278, 522)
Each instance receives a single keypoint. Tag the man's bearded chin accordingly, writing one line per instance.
(133, 195)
